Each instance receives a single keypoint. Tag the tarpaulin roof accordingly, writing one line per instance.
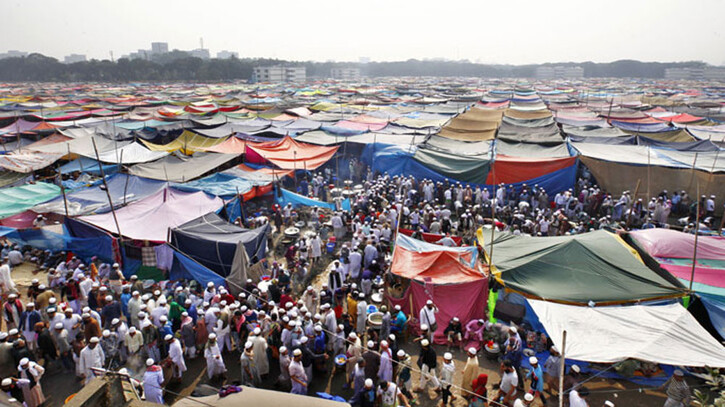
(470, 148)
(27, 161)
(212, 241)
(421, 261)
(123, 189)
(596, 266)
(188, 142)
(181, 168)
(186, 267)
(462, 168)
(289, 154)
(220, 184)
(284, 197)
(89, 165)
(531, 150)
(511, 170)
(151, 217)
(18, 199)
(232, 145)
(132, 153)
(666, 334)
(672, 243)
(260, 176)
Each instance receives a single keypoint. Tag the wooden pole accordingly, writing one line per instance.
(562, 369)
(697, 233)
(648, 174)
(108, 193)
(62, 190)
(629, 215)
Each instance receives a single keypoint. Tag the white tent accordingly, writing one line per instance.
(666, 334)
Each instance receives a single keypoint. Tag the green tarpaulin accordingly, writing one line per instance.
(472, 169)
(18, 199)
(596, 266)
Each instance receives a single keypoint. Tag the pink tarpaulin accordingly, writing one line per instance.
(152, 217)
(466, 301)
(703, 275)
(671, 243)
(22, 220)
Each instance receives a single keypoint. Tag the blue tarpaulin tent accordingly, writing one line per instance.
(284, 197)
(185, 267)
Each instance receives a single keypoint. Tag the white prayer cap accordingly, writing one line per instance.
(575, 368)
(678, 372)
(149, 362)
(106, 333)
(210, 284)
(608, 404)
(318, 328)
(109, 298)
(297, 352)
(257, 331)
(212, 336)
(424, 342)
(423, 327)
(472, 350)
(168, 337)
(352, 335)
(94, 339)
(304, 339)
(429, 302)
(114, 321)
(132, 329)
(7, 382)
(24, 361)
(248, 345)
(368, 383)
(283, 349)
(397, 308)
(371, 344)
(529, 397)
(533, 360)
(384, 344)
(447, 356)
(401, 353)
(59, 325)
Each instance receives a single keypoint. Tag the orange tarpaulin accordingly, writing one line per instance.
(289, 154)
(442, 267)
(510, 170)
(232, 145)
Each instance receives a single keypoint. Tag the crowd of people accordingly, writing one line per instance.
(87, 318)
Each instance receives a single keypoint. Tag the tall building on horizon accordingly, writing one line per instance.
(227, 54)
(159, 47)
(73, 58)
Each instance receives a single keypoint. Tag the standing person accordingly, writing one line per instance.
(427, 362)
(389, 395)
(428, 316)
(260, 353)
(91, 356)
(358, 382)
(214, 363)
(678, 393)
(250, 374)
(284, 362)
(297, 374)
(153, 380)
(551, 370)
(32, 391)
(447, 371)
(385, 371)
(60, 337)
(470, 372)
(176, 355)
(509, 382)
(577, 398)
(12, 310)
(134, 343)
(537, 379)
(479, 398)
(362, 314)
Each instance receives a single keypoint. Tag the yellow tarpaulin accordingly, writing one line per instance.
(188, 142)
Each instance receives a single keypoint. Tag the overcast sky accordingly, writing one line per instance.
(507, 31)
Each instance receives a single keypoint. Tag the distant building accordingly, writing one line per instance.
(159, 47)
(709, 73)
(13, 54)
(345, 74)
(199, 53)
(559, 72)
(73, 58)
(279, 74)
(227, 54)
(364, 60)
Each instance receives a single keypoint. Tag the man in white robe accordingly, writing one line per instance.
(91, 356)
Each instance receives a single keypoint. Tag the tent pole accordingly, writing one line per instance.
(108, 193)
(629, 215)
(562, 369)
(648, 173)
(697, 233)
(62, 190)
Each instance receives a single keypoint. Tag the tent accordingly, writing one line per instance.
(188, 142)
(212, 241)
(450, 277)
(152, 217)
(594, 267)
(181, 168)
(666, 334)
(123, 189)
(28, 161)
(289, 154)
(186, 267)
(14, 200)
(284, 197)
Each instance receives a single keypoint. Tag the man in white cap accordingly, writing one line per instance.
(215, 367)
(62, 342)
(28, 319)
(428, 316)
(91, 356)
(260, 352)
(134, 343)
(134, 307)
(427, 363)
(608, 404)
(551, 370)
(536, 375)
(284, 361)
(297, 374)
(362, 314)
(176, 355)
(12, 310)
(109, 344)
(527, 401)
(678, 392)
(447, 371)
(470, 372)
(6, 281)
(153, 380)
(311, 300)
(30, 372)
(250, 374)
(385, 371)
(354, 353)
(389, 395)
(578, 396)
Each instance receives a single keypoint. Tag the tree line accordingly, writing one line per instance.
(181, 67)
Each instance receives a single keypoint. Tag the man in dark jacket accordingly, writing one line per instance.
(46, 346)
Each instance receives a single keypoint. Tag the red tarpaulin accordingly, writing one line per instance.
(22, 220)
(510, 170)
(289, 154)
(440, 267)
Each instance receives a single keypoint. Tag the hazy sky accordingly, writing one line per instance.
(503, 31)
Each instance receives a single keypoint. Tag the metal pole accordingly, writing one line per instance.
(648, 174)
(108, 193)
(697, 233)
(562, 369)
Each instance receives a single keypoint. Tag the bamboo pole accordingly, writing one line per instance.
(697, 233)
(108, 193)
(562, 369)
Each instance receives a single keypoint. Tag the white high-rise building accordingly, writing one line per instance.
(345, 74)
(279, 74)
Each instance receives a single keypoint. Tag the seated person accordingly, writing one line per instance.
(454, 332)
(474, 330)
